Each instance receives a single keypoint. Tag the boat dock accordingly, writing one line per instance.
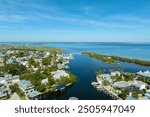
(105, 90)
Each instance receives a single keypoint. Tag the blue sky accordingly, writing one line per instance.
(75, 20)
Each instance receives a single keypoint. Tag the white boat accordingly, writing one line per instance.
(95, 84)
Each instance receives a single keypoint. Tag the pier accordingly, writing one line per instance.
(105, 90)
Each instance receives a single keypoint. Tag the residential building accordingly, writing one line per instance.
(34, 95)
(106, 77)
(139, 84)
(115, 73)
(26, 86)
(7, 79)
(4, 92)
(59, 74)
(145, 73)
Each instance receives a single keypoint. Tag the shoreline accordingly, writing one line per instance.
(111, 59)
(43, 69)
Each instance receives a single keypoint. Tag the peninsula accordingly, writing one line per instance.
(110, 59)
(30, 72)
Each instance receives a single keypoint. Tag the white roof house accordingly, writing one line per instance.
(145, 73)
(121, 84)
(26, 86)
(67, 56)
(59, 73)
(106, 77)
(61, 66)
(115, 73)
(34, 95)
(139, 84)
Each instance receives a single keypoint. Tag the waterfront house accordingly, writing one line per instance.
(34, 95)
(59, 74)
(4, 92)
(106, 77)
(67, 56)
(61, 66)
(145, 73)
(115, 73)
(26, 86)
(139, 84)
(132, 86)
(121, 84)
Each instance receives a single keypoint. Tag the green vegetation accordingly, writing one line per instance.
(46, 61)
(15, 69)
(105, 83)
(29, 48)
(132, 60)
(15, 88)
(72, 79)
(135, 95)
(103, 58)
(111, 59)
(123, 95)
(35, 79)
(144, 79)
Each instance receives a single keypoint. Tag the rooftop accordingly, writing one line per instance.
(25, 84)
(34, 94)
(145, 73)
(121, 84)
(59, 73)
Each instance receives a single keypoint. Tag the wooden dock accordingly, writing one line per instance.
(105, 90)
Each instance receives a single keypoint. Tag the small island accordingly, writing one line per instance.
(110, 59)
(30, 72)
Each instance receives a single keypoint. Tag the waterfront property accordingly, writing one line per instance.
(59, 74)
(122, 87)
(25, 69)
(34, 95)
(145, 73)
(121, 84)
(115, 73)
